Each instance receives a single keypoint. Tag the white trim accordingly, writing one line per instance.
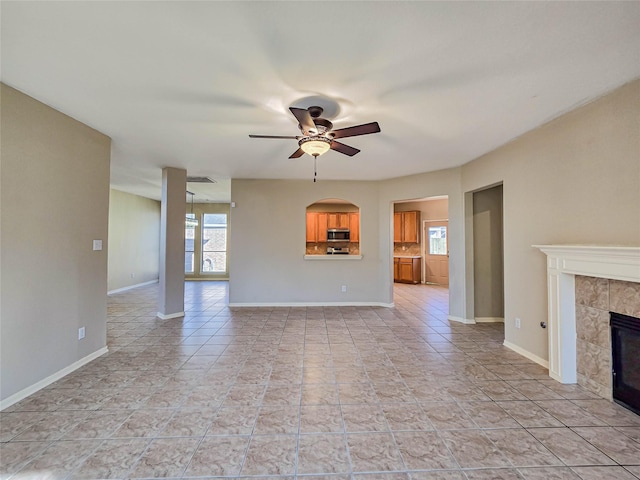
(30, 390)
(131, 287)
(170, 316)
(333, 257)
(313, 304)
(466, 321)
(527, 354)
(618, 263)
(564, 262)
(489, 320)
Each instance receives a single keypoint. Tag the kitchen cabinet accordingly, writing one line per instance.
(406, 269)
(354, 227)
(322, 226)
(338, 220)
(319, 222)
(312, 227)
(406, 227)
(397, 227)
(316, 227)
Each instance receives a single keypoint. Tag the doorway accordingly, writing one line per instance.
(428, 249)
(436, 252)
(488, 264)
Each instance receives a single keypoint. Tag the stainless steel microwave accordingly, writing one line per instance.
(338, 235)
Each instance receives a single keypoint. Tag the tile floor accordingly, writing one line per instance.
(343, 392)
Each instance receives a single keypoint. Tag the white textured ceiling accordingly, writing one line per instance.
(182, 84)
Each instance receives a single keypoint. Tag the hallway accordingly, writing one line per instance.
(360, 392)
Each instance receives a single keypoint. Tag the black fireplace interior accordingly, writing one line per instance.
(625, 344)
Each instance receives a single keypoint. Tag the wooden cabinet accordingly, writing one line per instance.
(319, 222)
(397, 227)
(316, 227)
(312, 227)
(406, 269)
(354, 227)
(338, 220)
(322, 226)
(406, 227)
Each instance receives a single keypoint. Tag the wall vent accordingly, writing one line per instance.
(200, 180)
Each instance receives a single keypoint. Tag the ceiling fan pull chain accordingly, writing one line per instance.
(315, 170)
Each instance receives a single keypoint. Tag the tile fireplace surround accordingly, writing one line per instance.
(584, 283)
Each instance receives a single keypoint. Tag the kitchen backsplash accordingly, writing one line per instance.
(409, 249)
(354, 248)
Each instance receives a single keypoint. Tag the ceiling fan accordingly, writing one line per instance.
(318, 135)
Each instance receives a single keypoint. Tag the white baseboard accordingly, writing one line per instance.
(30, 390)
(131, 287)
(489, 320)
(527, 354)
(313, 304)
(170, 316)
(467, 321)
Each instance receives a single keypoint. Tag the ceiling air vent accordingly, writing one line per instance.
(200, 180)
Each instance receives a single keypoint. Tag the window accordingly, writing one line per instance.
(438, 240)
(214, 243)
(189, 244)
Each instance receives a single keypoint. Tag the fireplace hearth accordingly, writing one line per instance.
(625, 349)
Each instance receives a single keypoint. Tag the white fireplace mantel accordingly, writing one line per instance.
(564, 262)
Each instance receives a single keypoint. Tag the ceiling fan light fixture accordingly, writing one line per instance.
(315, 146)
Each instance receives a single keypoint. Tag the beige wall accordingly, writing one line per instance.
(134, 240)
(436, 209)
(54, 200)
(573, 180)
(267, 245)
(433, 184)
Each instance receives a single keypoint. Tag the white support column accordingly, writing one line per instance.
(172, 215)
(561, 323)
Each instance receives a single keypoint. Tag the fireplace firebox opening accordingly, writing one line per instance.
(625, 350)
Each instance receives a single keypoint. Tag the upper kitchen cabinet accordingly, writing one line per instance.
(312, 226)
(406, 227)
(317, 227)
(354, 227)
(338, 220)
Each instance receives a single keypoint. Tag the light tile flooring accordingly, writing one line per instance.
(353, 392)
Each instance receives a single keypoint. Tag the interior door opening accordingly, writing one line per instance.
(420, 241)
(436, 252)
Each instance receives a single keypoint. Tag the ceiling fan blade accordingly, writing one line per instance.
(342, 148)
(297, 154)
(356, 130)
(306, 122)
(275, 136)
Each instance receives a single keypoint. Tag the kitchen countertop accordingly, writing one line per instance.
(333, 257)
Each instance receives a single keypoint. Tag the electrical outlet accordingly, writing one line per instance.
(344, 289)
(517, 322)
(80, 333)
